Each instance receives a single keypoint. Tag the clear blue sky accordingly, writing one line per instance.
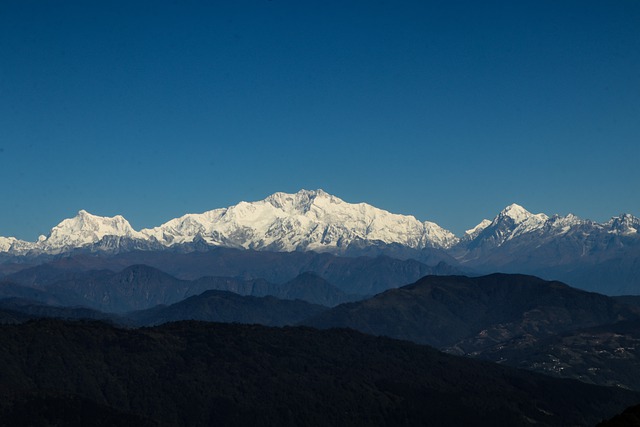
(445, 110)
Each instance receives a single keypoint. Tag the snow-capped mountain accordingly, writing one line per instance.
(588, 254)
(511, 222)
(472, 233)
(6, 243)
(80, 231)
(601, 257)
(624, 224)
(318, 221)
(307, 220)
(517, 234)
(85, 229)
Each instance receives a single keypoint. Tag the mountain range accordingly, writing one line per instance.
(140, 287)
(311, 259)
(604, 257)
(516, 320)
(512, 319)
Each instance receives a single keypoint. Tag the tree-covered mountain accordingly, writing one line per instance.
(515, 320)
(629, 418)
(604, 355)
(23, 309)
(228, 307)
(466, 314)
(194, 373)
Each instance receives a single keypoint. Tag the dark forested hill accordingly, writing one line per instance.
(222, 306)
(198, 374)
(629, 418)
(464, 314)
(604, 355)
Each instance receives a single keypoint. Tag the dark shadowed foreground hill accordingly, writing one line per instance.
(198, 374)
(629, 418)
(603, 355)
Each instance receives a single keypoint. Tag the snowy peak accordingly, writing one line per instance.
(438, 236)
(85, 229)
(624, 224)
(515, 212)
(520, 218)
(6, 242)
(306, 220)
(563, 224)
(86, 222)
(9, 243)
(473, 232)
(301, 201)
(511, 222)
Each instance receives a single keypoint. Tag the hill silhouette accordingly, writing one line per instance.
(197, 374)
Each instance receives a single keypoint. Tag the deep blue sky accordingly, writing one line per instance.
(445, 110)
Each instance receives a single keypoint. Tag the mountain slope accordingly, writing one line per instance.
(359, 275)
(466, 314)
(139, 287)
(604, 355)
(198, 374)
(309, 286)
(221, 306)
(28, 309)
(629, 418)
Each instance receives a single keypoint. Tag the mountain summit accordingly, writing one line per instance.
(85, 229)
(512, 221)
(306, 220)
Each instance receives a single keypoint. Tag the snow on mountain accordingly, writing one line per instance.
(439, 237)
(6, 243)
(522, 220)
(307, 220)
(511, 222)
(558, 225)
(84, 229)
(316, 220)
(624, 224)
(16, 246)
(473, 232)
